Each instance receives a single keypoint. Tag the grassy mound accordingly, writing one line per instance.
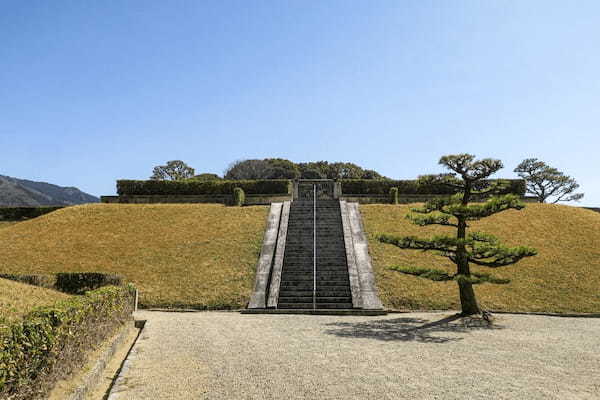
(563, 277)
(178, 255)
(17, 299)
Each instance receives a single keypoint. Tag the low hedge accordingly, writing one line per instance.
(68, 282)
(239, 197)
(193, 187)
(383, 187)
(394, 195)
(51, 342)
(19, 213)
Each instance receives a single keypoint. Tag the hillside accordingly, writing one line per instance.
(563, 277)
(204, 255)
(17, 299)
(21, 192)
(185, 255)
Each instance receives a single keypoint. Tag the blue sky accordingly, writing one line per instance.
(95, 91)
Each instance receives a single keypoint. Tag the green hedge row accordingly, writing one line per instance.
(51, 342)
(191, 187)
(68, 282)
(382, 187)
(19, 213)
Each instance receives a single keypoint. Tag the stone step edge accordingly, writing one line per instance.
(328, 311)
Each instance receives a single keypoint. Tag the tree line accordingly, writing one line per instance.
(547, 184)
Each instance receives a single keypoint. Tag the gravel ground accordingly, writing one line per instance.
(225, 355)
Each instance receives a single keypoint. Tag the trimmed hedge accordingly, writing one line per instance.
(394, 195)
(68, 282)
(51, 342)
(19, 213)
(383, 187)
(239, 197)
(192, 187)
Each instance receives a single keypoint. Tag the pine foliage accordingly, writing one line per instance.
(479, 248)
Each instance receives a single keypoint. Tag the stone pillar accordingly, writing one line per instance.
(337, 190)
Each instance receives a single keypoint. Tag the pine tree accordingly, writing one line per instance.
(469, 180)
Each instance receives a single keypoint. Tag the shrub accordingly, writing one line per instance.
(68, 282)
(19, 213)
(383, 186)
(239, 197)
(394, 195)
(50, 342)
(47, 281)
(195, 187)
(81, 282)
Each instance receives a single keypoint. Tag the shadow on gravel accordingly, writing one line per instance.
(409, 329)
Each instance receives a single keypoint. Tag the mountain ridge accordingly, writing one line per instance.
(24, 192)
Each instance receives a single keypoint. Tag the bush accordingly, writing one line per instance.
(51, 342)
(195, 187)
(47, 281)
(68, 282)
(382, 187)
(19, 213)
(239, 197)
(81, 282)
(394, 195)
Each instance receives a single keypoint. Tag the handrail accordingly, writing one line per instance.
(314, 246)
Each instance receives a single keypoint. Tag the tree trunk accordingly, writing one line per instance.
(468, 301)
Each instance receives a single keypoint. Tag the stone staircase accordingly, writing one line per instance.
(297, 279)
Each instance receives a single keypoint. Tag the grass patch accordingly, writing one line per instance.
(18, 299)
(563, 277)
(442, 276)
(6, 224)
(177, 255)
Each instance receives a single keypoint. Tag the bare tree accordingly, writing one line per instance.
(174, 171)
(547, 183)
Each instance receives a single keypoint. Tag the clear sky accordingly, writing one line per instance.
(94, 91)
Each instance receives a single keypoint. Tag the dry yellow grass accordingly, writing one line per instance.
(563, 277)
(17, 299)
(5, 224)
(178, 255)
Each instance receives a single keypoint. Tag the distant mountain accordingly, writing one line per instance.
(21, 192)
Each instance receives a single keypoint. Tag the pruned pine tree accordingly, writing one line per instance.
(465, 248)
(546, 183)
(175, 170)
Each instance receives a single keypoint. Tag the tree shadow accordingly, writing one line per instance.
(410, 329)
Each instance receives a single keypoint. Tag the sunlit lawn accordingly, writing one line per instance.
(564, 277)
(179, 255)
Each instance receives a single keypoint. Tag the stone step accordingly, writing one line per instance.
(321, 282)
(309, 299)
(307, 285)
(320, 293)
(292, 279)
(320, 260)
(310, 265)
(347, 305)
(339, 267)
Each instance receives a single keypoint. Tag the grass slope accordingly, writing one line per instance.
(563, 277)
(184, 255)
(17, 299)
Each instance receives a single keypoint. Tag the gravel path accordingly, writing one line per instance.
(225, 355)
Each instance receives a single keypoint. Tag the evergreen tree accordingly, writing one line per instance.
(456, 211)
(547, 183)
(175, 170)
